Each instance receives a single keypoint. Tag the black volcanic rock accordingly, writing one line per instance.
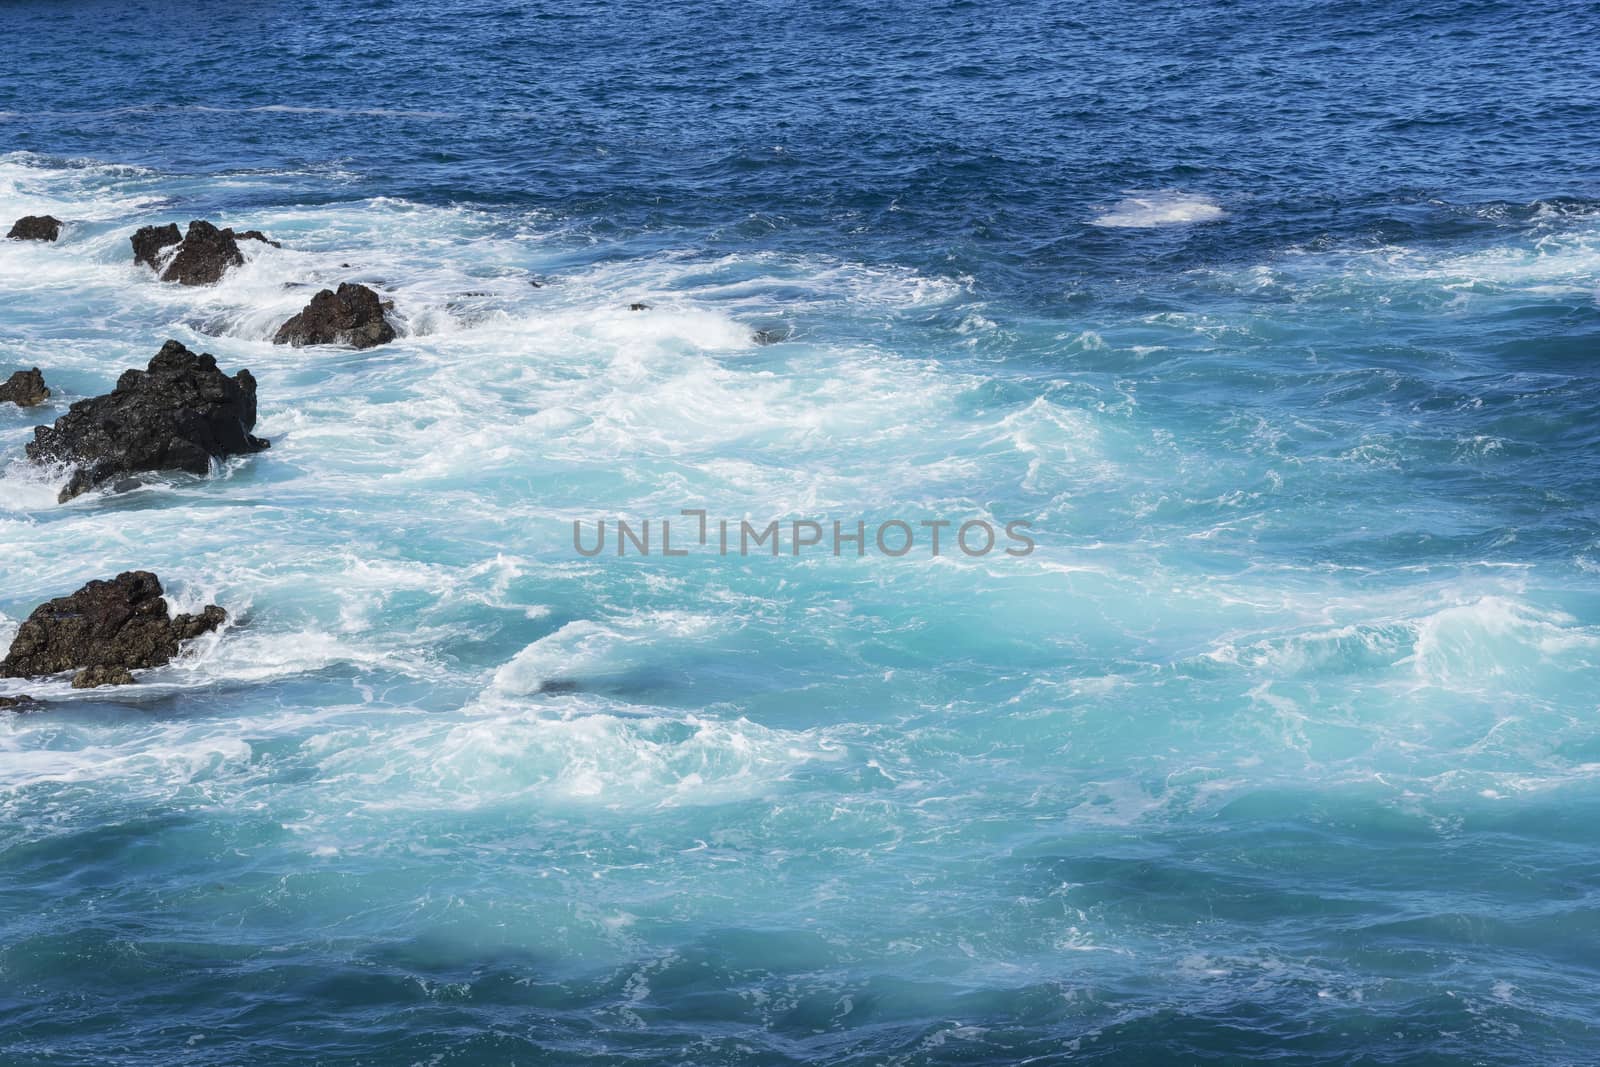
(35, 228)
(253, 235)
(352, 316)
(148, 242)
(20, 702)
(179, 413)
(25, 389)
(204, 253)
(103, 631)
(204, 256)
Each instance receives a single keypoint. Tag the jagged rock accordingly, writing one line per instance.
(35, 228)
(204, 253)
(180, 413)
(25, 389)
(204, 256)
(352, 316)
(188, 627)
(148, 242)
(104, 631)
(254, 235)
(20, 702)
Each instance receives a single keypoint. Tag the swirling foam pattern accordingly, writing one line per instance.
(1279, 321)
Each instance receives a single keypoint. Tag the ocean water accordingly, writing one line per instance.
(1278, 321)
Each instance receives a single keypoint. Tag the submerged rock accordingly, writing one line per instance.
(352, 316)
(204, 253)
(148, 241)
(94, 677)
(178, 414)
(35, 228)
(25, 389)
(770, 337)
(254, 235)
(20, 702)
(104, 631)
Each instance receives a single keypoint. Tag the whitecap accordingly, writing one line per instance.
(1165, 208)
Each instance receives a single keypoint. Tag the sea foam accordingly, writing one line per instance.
(1168, 208)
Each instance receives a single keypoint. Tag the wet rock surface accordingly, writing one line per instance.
(205, 253)
(25, 389)
(178, 414)
(253, 235)
(104, 631)
(95, 677)
(354, 316)
(204, 256)
(35, 228)
(150, 241)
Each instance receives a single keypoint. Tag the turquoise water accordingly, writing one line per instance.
(1278, 324)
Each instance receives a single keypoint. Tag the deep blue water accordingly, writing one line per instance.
(1279, 321)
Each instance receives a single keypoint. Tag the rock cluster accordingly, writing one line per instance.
(204, 254)
(25, 389)
(35, 228)
(352, 316)
(178, 414)
(104, 631)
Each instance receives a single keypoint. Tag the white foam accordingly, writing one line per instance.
(586, 651)
(1166, 208)
(1558, 258)
(27, 487)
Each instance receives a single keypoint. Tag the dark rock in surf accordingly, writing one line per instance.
(352, 316)
(638, 307)
(187, 627)
(204, 254)
(25, 389)
(178, 414)
(104, 631)
(20, 702)
(254, 235)
(35, 228)
(95, 677)
(149, 241)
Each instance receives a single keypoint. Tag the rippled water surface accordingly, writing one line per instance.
(1279, 321)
